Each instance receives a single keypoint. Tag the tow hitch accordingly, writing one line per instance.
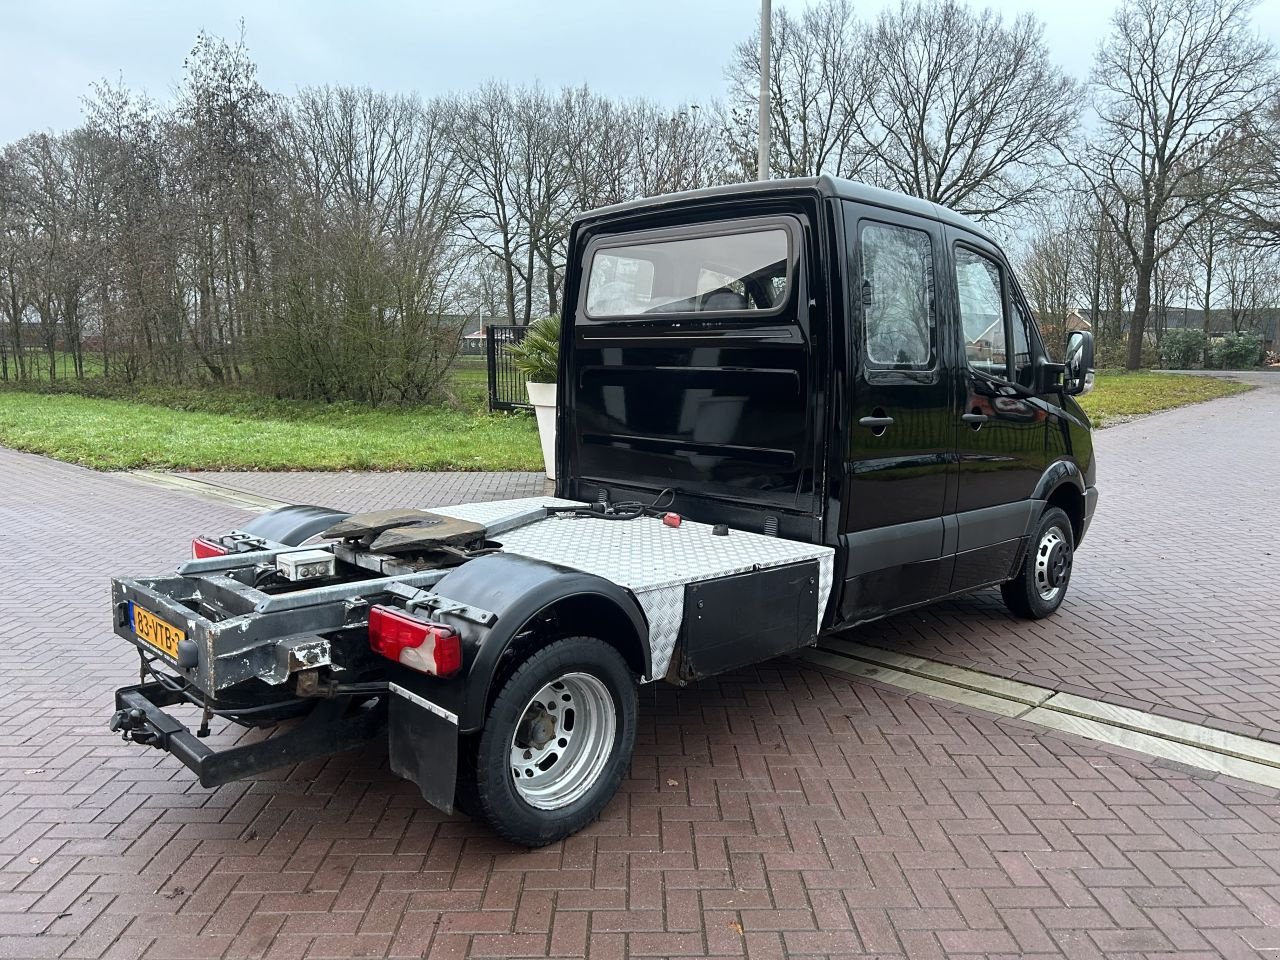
(131, 724)
(334, 725)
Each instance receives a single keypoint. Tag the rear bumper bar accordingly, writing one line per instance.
(333, 726)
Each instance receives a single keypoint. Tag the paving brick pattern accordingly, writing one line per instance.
(380, 491)
(1174, 603)
(1174, 600)
(777, 812)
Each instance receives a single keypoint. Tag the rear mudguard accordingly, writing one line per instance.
(520, 591)
(293, 525)
(427, 714)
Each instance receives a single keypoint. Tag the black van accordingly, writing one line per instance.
(786, 408)
(840, 363)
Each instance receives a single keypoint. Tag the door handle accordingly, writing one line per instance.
(975, 420)
(876, 423)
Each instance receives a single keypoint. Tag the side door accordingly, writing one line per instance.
(899, 464)
(1002, 434)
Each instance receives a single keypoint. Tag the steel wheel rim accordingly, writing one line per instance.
(1053, 564)
(562, 741)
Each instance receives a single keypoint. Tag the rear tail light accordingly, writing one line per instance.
(428, 647)
(202, 548)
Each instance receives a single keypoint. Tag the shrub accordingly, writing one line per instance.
(1236, 351)
(537, 356)
(1112, 353)
(1180, 349)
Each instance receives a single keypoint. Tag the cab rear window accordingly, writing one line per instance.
(721, 273)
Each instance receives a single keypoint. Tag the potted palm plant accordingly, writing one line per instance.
(537, 356)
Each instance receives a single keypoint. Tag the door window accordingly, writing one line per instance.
(898, 315)
(980, 289)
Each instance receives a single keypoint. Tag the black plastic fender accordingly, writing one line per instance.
(293, 525)
(518, 590)
(1058, 473)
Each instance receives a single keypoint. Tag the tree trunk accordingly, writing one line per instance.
(1208, 280)
(1141, 299)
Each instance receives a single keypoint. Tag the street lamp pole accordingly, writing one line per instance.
(766, 21)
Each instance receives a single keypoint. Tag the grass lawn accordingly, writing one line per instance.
(1119, 394)
(121, 434)
(205, 430)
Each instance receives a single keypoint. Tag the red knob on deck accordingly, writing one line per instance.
(671, 519)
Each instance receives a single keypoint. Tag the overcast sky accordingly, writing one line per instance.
(669, 50)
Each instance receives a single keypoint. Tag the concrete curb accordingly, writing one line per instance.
(211, 492)
(1215, 751)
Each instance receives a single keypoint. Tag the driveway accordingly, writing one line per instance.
(776, 812)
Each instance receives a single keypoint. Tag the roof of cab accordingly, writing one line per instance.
(824, 185)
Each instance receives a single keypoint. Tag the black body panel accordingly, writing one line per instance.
(735, 621)
(722, 407)
(899, 464)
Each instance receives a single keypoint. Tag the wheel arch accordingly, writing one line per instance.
(293, 525)
(536, 603)
(1062, 485)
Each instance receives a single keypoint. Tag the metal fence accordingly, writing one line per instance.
(506, 383)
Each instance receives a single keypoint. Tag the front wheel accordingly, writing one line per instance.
(557, 742)
(1041, 585)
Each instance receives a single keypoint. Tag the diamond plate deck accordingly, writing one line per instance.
(647, 557)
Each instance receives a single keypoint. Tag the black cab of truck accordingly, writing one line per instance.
(833, 363)
(786, 408)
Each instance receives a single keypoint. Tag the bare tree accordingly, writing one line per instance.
(15, 239)
(815, 91)
(962, 108)
(226, 178)
(1051, 264)
(1256, 208)
(365, 287)
(485, 135)
(1173, 85)
(1250, 282)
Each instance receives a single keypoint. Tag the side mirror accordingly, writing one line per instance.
(1077, 369)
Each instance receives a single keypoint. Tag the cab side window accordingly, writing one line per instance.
(898, 311)
(980, 287)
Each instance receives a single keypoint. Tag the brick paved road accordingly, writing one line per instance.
(777, 812)
(380, 491)
(1173, 604)
(1175, 596)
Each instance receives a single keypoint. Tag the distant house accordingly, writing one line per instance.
(1076, 321)
(1264, 322)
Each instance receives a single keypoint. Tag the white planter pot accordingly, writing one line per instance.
(543, 398)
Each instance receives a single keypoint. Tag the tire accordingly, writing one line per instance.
(568, 715)
(1039, 588)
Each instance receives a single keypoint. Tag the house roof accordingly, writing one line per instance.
(1264, 320)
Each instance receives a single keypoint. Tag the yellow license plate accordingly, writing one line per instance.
(159, 634)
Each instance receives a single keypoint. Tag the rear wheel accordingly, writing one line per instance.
(556, 743)
(1039, 588)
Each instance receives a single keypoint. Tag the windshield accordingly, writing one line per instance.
(717, 274)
